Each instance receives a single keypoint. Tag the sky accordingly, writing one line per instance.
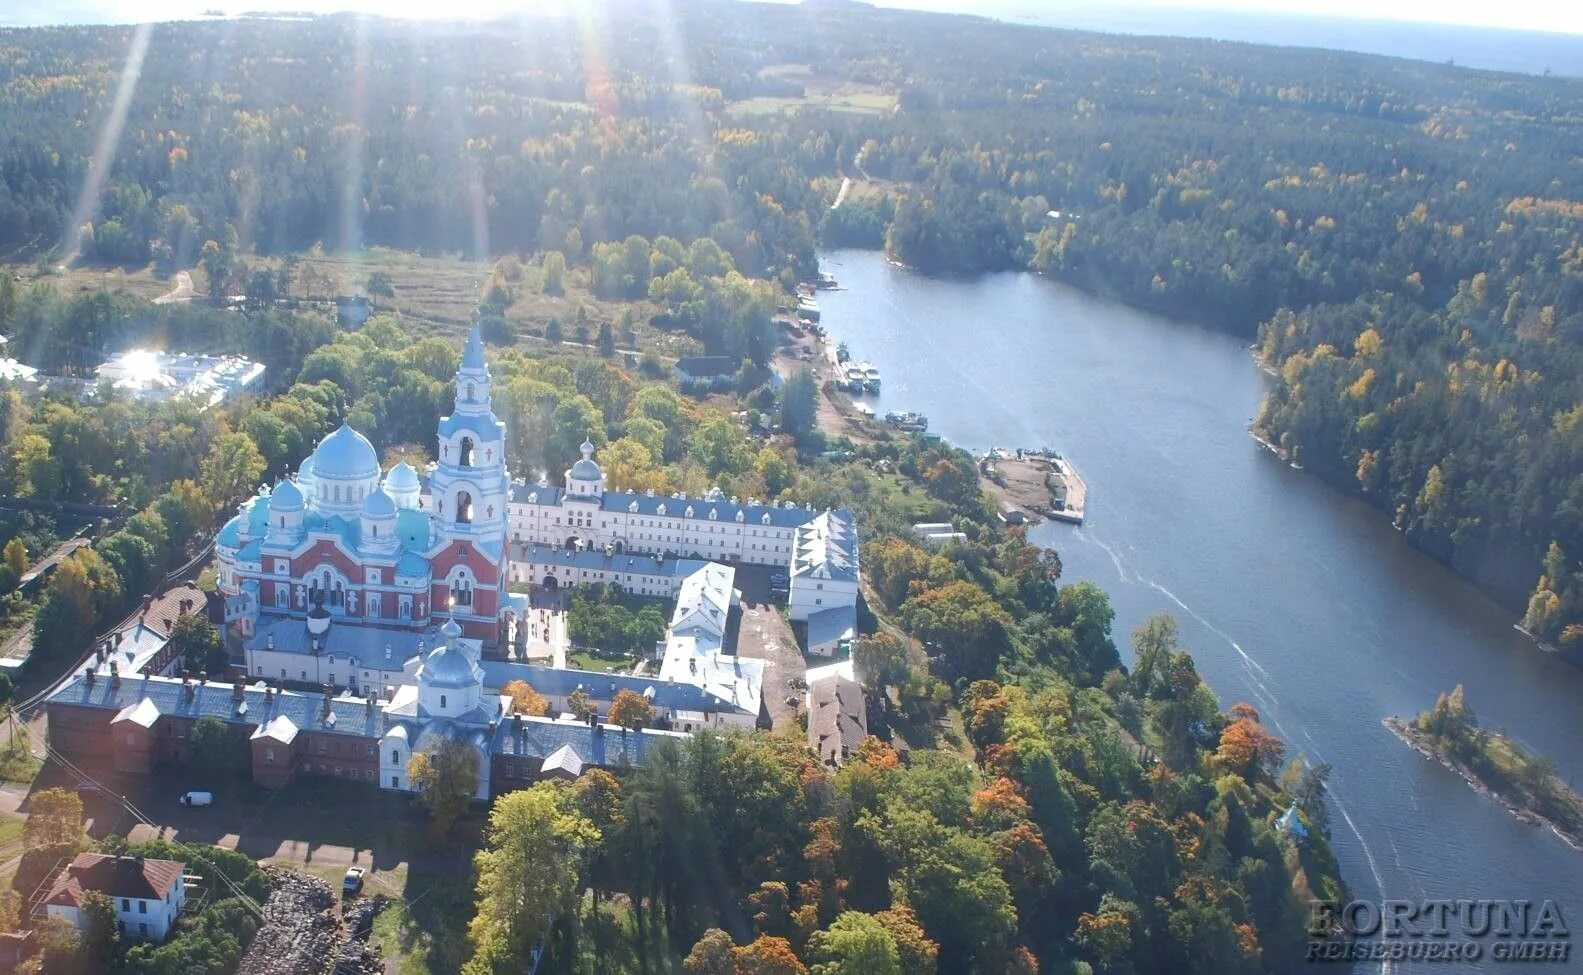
(1564, 16)
(1558, 16)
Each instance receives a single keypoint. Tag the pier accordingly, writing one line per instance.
(1035, 484)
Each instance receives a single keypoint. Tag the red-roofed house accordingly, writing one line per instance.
(148, 894)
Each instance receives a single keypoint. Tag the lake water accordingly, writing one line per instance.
(1291, 596)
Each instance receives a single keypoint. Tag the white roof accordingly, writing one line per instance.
(704, 600)
(826, 548)
(145, 712)
(281, 729)
(563, 759)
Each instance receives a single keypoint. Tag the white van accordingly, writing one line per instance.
(198, 799)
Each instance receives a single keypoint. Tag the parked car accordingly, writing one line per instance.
(197, 799)
(353, 881)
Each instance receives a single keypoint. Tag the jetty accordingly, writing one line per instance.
(1035, 484)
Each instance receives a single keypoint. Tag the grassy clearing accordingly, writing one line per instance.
(425, 931)
(437, 291)
(819, 91)
(142, 282)
(587, 661)
(17, 762)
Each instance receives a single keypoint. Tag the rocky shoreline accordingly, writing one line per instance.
(1421, 743)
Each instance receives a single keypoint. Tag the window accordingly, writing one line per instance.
(142, 907)
(126, 904)
(442, 700)
(269, 755)
(395, 781)
(465, 455)
(395, 756)
(464, 508)
(142, 929)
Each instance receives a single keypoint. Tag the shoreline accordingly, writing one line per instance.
(1421, 743)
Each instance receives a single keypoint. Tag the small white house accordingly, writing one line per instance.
(148, 894)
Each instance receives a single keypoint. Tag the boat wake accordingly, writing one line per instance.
(1257, 678)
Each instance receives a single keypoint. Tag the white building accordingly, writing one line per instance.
(147, 374)
(824, 581)
(148, 894)
(585, 514)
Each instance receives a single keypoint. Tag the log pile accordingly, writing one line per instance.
(356, 957)
(300, 930)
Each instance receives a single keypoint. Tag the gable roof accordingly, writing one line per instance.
(115, 876)
(837, 718)
(826, 547)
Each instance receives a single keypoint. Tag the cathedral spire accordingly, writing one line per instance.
(473, 352)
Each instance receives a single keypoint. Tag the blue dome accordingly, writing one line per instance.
(586, 469)
(378, 505)
(402, 478)
(285, 497)
(345, 455)
(448, 663)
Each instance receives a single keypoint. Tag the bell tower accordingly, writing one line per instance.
(470, 483)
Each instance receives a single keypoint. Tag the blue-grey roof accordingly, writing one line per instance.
(753, 514)
(832, 625)
(351, 640)
(352, 715)
(412, 566)
(602, 745)
(523, 493)
(600, 686)
(597, 560)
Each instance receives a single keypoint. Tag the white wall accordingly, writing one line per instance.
(810, 595)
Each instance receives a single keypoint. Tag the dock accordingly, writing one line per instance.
(1034, 484)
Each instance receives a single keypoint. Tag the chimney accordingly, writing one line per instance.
(190, 691)
(269, 696)
(516, 723)
(491, 730)
(88, 674)
(326, 707)
(237, 692)
(115, 675)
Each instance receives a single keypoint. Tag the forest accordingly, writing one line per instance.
(1402, 237)
(1399, 240)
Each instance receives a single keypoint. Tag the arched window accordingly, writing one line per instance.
(470, 395)
(466, 458)
(464, 508)
(462, 590)
(442, 700)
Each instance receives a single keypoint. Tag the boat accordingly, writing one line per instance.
(853, 377)
(827, 280)
(842, 353)
(910, 422)
(871, 378)
(808, 308)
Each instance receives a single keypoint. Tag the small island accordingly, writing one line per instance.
(1494, 765)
